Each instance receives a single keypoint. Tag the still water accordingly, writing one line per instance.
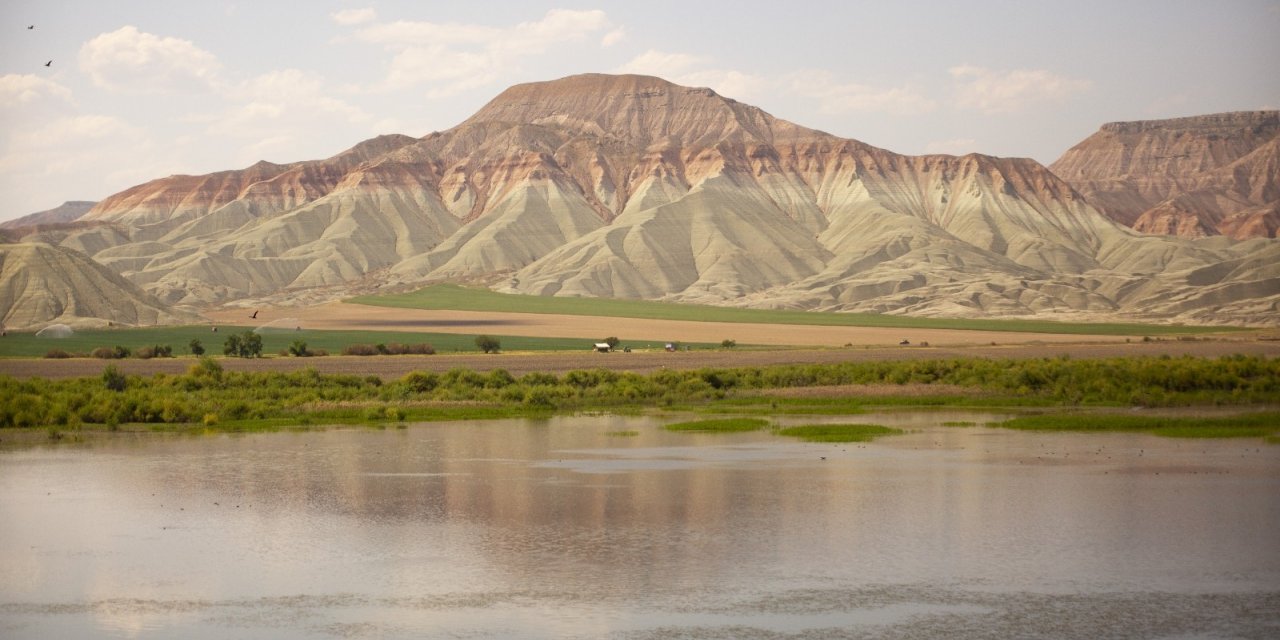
(607, 526)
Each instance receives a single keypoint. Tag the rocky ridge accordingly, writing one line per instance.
(630, 186)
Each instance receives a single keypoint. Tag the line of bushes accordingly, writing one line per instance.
(206, 393)
(391, 349)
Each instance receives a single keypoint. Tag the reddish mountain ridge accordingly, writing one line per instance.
(1193, 177)
(630, 186)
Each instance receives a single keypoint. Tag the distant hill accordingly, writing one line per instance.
(1207, 175)
(66, 212)
(634, 187)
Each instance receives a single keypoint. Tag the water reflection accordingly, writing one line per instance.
(563, 528)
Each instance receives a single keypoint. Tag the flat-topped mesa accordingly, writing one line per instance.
(636, 108)
(1202, 175)
(1230, 122)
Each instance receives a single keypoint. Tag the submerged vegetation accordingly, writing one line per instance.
(720, 424)
(838, 432)
(208, 396)
(1248, 425)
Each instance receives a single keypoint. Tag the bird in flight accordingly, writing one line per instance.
(48, 63)
(30, 26)
(255, 314)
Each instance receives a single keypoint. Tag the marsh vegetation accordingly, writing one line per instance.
(207, 396)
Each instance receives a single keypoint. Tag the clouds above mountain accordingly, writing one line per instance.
(995, 91)
(449, 57)
(134, 61)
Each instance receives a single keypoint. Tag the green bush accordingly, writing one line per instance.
(113, 379)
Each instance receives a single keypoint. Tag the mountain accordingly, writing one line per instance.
(631, 186)
(41, 283)
(1192, 177)
(67, 212)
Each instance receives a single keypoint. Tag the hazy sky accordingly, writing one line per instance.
(142, 90)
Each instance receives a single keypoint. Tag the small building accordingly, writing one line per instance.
(603, 347)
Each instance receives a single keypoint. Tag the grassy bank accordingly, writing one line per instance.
(206, 396)
(455, 297)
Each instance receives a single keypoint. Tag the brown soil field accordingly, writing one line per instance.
(392, 367)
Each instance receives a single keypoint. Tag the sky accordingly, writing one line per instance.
(139, 90)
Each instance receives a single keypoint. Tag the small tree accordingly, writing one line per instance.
(488, 344)
(613, 342)
(728, 343)
(196, 348)
(231, 346)
(251, 345)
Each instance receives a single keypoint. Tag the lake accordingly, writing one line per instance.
(610, 526)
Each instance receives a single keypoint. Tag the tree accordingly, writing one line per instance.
(244, 345)
(728, 343)
(613, 342)
(196, 348)
(488, 344)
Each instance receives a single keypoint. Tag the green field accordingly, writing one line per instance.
(455, 297)
(27, 345)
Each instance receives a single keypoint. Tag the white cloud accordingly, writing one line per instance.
(834, 96)
(74, 129)
(993, 91)
(130, 60)
(452, 57)
(955, 146)
(281, 111)
(694, 71)
(613, 37)
(18, 89)
(662, 64)
(348, 17)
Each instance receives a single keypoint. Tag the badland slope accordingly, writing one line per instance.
(1206, 175)
(631, 186)
(41, 283)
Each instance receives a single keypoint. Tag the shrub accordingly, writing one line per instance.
(359, 350)
(728, 344)
(56, 353)
(113, 379)
(195, 347)
(488, 344)
(121, 352)
(299, 349)
(420, 381)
